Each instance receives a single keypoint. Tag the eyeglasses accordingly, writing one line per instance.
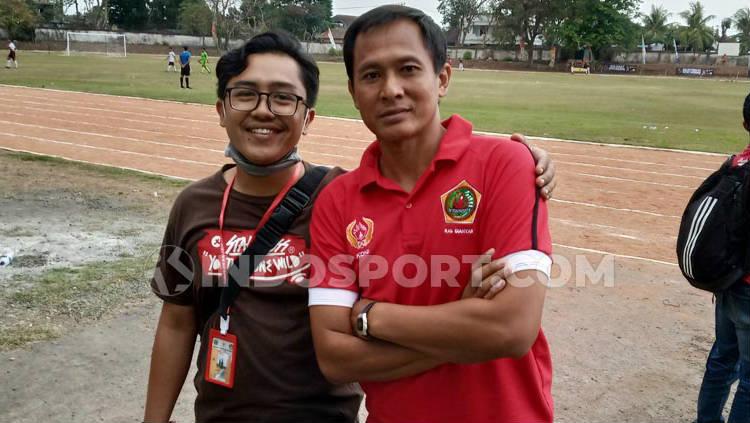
(279, 103)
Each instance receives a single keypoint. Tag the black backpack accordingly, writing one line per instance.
(712, 246)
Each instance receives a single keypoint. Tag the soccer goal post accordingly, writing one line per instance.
(111, 44)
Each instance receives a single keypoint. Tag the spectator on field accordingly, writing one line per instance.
(204, 61)
(12, 61)
(729, 358)
(171, 56)
(185, 67)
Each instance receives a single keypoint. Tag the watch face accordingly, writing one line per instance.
(359, 324)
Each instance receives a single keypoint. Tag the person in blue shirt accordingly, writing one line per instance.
(185, 70)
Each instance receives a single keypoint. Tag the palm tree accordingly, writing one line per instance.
(697, 34)
(742, 25)
(655, 25)
(726, 25)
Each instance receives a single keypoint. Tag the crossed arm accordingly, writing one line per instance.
(413, 339)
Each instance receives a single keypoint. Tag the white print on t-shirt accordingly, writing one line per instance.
(285, 261)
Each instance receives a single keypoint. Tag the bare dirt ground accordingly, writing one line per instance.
(630, 350)
(85, 356)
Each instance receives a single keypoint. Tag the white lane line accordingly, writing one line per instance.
(163, 144)
(604, 230)
(96, 109)
(35, 153)
(636, 181)
(596, 206)
(149, 131)
(97, 134)
(608, 253)
(640, 162)
(599, 226)
(677, 175)
(113, 150)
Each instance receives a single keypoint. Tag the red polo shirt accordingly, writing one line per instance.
(477, 193)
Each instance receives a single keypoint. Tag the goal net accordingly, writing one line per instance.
(96, 43)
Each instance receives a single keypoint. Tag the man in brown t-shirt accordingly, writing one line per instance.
(266, 93)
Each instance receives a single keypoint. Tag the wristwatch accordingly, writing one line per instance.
(362, 327)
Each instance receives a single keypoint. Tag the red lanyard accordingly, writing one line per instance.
(267, 215)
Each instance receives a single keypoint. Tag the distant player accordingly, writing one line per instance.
(461, 64)
(170, 60)
(11, 55)
(185, 70)
(204, 61)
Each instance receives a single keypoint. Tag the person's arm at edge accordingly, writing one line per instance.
(170, 360)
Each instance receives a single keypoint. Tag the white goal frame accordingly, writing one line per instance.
(98, 37)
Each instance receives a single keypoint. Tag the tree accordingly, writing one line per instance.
(306, 19)
(602, 24)
(97, 13)
(18, 19)
(259, 15)
(655, 25)
(460, 14)
(527, 19)
(697, 34)
(128, 14)
(742, 25)
(163, 14)
(195, 17)
(726, 25)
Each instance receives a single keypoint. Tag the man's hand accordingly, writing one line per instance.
(488, 277)
(545, 167)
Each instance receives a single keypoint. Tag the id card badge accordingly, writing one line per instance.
(222, 355)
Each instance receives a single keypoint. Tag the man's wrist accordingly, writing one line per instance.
(363, 321)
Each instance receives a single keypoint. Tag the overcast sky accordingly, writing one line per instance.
(720, 8)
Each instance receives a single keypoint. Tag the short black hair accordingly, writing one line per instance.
(746, 110)
(432, 35)
(234, 62)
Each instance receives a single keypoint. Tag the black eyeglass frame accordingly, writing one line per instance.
(268, 95)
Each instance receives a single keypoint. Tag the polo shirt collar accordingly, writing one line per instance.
(453, 144)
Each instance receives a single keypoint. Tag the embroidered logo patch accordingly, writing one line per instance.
(360, 232)
(460, 203)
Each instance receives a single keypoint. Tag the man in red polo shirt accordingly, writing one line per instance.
(393, 238)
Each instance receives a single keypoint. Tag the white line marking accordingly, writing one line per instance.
(613, 178)
(96, 134)
(700, 178)
(577, 203)
(169, 133)
(114, 150)
(555, 153)
(607, 253)
(35, 153)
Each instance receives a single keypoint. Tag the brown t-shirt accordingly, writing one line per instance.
(277, 376)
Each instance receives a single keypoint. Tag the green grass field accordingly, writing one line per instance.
(660, 112)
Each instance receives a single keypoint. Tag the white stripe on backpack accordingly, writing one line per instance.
(704, 211)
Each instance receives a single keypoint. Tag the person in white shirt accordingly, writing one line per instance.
(11, 55)
(170, 60)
